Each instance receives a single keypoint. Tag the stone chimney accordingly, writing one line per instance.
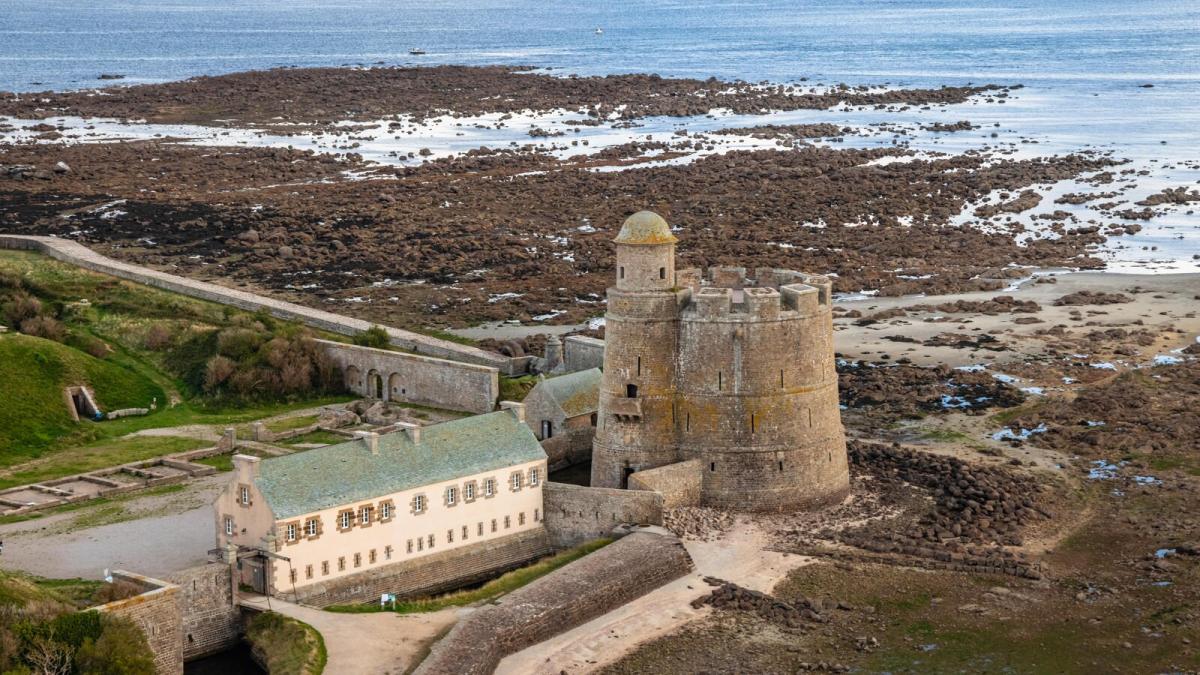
(517, 409)
(554, 354)
(371, 439)
(246, 467)
(413, 431)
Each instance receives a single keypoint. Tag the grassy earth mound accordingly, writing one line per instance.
(33, 373)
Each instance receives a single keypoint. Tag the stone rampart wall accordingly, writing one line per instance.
(569, 448)
(80, 255)
(409, 378)
(211, 617)
(429, 574)
(157, 612)
(575, 514)
(582, 353)
(579, 592)
(679, 483)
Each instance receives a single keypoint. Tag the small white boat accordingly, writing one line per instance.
(416, 51)
(599, 31)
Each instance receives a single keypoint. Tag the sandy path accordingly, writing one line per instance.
(171, 532)
(738, 557)
(378, 644)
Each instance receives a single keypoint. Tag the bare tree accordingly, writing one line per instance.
(49, 657)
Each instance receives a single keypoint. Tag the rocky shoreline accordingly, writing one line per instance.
(522, 232)
(328, 96)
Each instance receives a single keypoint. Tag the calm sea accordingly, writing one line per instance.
(59, 44)
(1085, 63)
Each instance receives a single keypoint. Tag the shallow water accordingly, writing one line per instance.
(1083, 64)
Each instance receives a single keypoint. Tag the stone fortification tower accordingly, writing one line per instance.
(735, 372)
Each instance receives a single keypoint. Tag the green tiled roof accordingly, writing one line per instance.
(576, 393)
(334, 475)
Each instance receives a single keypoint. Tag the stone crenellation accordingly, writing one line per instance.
(733, 370)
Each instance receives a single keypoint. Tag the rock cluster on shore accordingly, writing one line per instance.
(326, 96)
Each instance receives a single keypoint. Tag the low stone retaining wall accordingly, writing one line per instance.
(80, 255)
(104, 482)
(579, 592)
(429, 574)
(575, 514)
(678, 483)
(157, 612)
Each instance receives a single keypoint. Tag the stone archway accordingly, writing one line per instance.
(396, 390)
(354, 380)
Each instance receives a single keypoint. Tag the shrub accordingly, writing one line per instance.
(375, 336)
(86, 343)
(21, 308)
(238, 343)
(188, 359)
(218, 370)
(158, 337)
(117, 590)
(76, 628)
(44, 327)
(121, 649)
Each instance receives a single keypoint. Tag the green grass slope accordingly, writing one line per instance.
(33, 373)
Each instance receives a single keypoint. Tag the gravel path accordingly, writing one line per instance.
(166, 533)
(382, 644)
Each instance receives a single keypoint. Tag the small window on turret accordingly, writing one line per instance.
(662, 273)
(622, 272)
(631, 391)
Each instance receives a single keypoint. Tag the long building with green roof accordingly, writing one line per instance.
(320, 523)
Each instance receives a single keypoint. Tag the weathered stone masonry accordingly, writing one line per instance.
(408, 378)
(733, 371)
(157, 612)
(575, 514)
(211, 617)
(583, 590)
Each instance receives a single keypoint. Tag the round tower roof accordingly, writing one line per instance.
(645, 228)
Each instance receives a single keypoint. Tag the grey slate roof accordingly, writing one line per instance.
(576, 393)
(344, 473)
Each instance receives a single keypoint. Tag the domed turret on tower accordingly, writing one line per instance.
(645, 228)
(645, 253)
